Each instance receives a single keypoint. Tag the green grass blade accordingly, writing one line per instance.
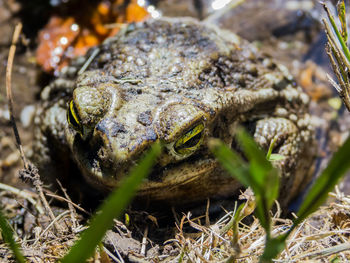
(273, 247)
(342, 19)
(261, 169)
(254, 154)
(258, 174)
(111, 208)
(318, 193)
(339, 36)
(269, 152)
(232, 162)
(7, 235)
(276, 157)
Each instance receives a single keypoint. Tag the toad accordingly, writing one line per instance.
(181, 82)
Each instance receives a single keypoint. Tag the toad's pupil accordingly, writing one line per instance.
(71, 120)
(191, 142)
(72, 117)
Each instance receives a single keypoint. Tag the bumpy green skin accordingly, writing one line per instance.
(157, 80)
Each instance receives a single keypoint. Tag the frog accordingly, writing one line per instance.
(181, 82)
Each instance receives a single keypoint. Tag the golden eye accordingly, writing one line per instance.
(72, 118)
(190, 141)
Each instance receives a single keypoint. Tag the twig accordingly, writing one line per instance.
(88, 61)
(175, 215)
(73, 213)
(115, 248)
(336, 71)
(144, 242)
(30, 171)
(326, 251)
(11, 56)
(60, 198)
(207, 220)
(109, 253)
(38, 186)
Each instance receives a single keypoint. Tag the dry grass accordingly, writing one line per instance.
(324, 235)
(40, 241)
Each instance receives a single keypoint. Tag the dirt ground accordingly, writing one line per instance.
(293, 35)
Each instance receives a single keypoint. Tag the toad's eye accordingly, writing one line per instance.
(72, 118)
(190, 141)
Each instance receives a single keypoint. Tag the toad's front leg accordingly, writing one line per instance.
(292, 141)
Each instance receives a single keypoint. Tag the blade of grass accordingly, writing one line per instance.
(318, 193)
(255, 155)
(276, 157)
(8, 238)
(258, 174)
(339, 36)
(112, 207)
(269, 152)
(264, 174)
(233, 225)
(261, 176)
(336, 52)
(273, 247)
(342, 19)
(273, 156)
(316, 196)
(232, 162)
(261, 169)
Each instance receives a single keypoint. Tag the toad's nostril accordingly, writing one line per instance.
(111, 135)
(110, 127)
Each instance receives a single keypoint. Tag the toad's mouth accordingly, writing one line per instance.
(106, 173)
(194, 178)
